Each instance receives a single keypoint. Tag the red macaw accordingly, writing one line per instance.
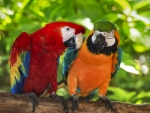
(34, 59)
(95, 63)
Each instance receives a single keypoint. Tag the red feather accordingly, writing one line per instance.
(22, 43)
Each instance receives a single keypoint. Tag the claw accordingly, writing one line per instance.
(107, 103)
(75, 105)
(61, 100)
(33, 99)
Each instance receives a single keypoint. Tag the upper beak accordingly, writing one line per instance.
(100, 42)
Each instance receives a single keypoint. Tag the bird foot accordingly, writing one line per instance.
(107, 103)
(75, 105)
(33, 99)
(61, 99)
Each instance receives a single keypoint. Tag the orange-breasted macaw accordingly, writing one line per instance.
(34, 59)
(94, 64)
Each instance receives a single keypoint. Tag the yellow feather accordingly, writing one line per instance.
(14, 72)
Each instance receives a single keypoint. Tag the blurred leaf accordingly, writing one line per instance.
(121, 94)
(139, 48)
(125, 5)
(141, 95)
(110, 16)
(63, 92)
(126, 28)
(145, 14)
(141, 4)
(30, 27)
(128, 60)
(1, 35)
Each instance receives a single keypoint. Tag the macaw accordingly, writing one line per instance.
(94, 64)
(34, 59)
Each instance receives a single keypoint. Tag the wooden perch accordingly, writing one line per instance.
(10, 103)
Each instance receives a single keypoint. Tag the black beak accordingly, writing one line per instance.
(100, 42)
(71, 42)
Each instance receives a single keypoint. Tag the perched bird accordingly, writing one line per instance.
(94, 64)
(34, 59)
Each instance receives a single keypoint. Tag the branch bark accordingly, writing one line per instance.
(10, 103)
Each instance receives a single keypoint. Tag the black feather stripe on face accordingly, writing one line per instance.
(107, 50)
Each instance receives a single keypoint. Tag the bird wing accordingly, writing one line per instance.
(19, 62)
(70, 55)
(116, 61)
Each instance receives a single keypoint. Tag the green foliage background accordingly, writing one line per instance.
(132, 82)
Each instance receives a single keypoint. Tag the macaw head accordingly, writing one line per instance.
(104, 37)
(67, 33)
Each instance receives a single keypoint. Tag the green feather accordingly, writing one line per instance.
(104, 26)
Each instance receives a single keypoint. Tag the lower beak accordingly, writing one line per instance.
(100, 42)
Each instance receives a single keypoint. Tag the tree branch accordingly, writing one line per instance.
(10, 103)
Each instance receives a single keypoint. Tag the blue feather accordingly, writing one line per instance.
(18, 87)
(88, 97)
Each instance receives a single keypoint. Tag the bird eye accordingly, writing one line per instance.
(111, 32)
(67, 28)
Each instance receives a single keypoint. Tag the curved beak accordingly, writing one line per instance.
(76, 41)
(70, 42)
(100, 42)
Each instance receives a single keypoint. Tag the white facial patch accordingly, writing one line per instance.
(67, 32)
(110, 39)
(79, 40)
